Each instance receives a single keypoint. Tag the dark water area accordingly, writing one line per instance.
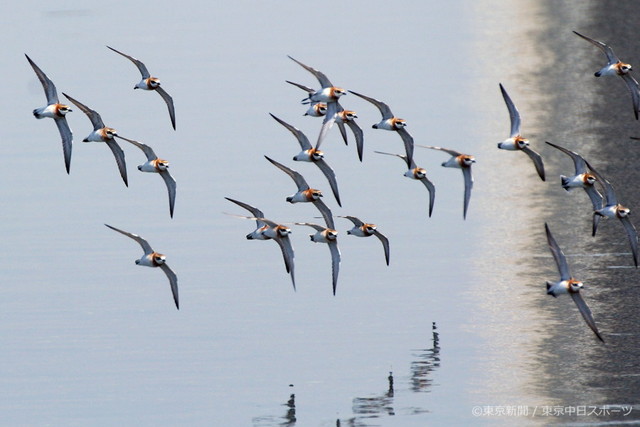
(594, 117)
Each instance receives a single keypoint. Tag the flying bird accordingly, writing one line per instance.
(363, 229)
(613, 209)
(313, 155)
(154, 164)
(463, 162)
(151, 83)
(328, 93)
(152, 258)
(328, 236)
(101, 133)
(616, 67)
(305, 193)
(269, 230)
(567, 284)
(391, 123)
(516, 142)
(343, 117)
(581, 179)
(419, 174)
(55, 110)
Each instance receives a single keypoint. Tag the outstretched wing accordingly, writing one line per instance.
(301, 137)
(537, 161)
(586, 313)
(137, 62)
(142, 242)
(384, 108)
(513, 113)
(335, 263)
(322, 78)
(385, 244)
(633, 237)
(331, 177)
(47, 84)
(67, 139)
(558, 255)
(611, 57)
(301, 183)
(119, 156)
(173, 280)
(148, 151)
(169, 101)
(93, 115)
(171, 189)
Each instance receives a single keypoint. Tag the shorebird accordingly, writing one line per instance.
(154, 164)
(55, 110)
(328, 236)
(313, 155)
(269, 230)
(391, 123)
(151, 83)
(613, 209)
(305, 193)
(516, 142)
(581, 179)
(152, 258)
(343, 117)
(328, 93)
(567, 284)
(363, 229)
(463, 162)
(615, 67)
(419, 174)
(101, 133)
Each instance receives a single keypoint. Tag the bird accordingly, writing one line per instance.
(316, 108)
(463, 162)
(567, 284)
(343, 117)
(101, 133)
(328, 236)
(616, 67)
(348, 117)
(151, 83)
(419, 174)
(313, 155)
(328, 93)
(152, 258)
(515, 141)
(613, 209)
(363, 229)
(269, 230)
(581, 179)
(391, 123)
(157, 165)
(55, 110)
(305, 193)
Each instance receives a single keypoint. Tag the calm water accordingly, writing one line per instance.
(458, 321)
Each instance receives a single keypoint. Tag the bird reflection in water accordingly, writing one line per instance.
(290, 417)
(428, 361)
(375, 406)
(288, 420)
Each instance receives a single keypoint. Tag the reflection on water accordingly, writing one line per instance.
(376, 405)
(288, 419)
(370, 409)
(428, 361)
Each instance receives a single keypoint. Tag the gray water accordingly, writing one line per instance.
(459, 320)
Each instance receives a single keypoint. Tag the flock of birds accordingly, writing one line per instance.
(101, 133)
(324, 102)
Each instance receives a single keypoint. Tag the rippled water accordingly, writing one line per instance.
(457, 330)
